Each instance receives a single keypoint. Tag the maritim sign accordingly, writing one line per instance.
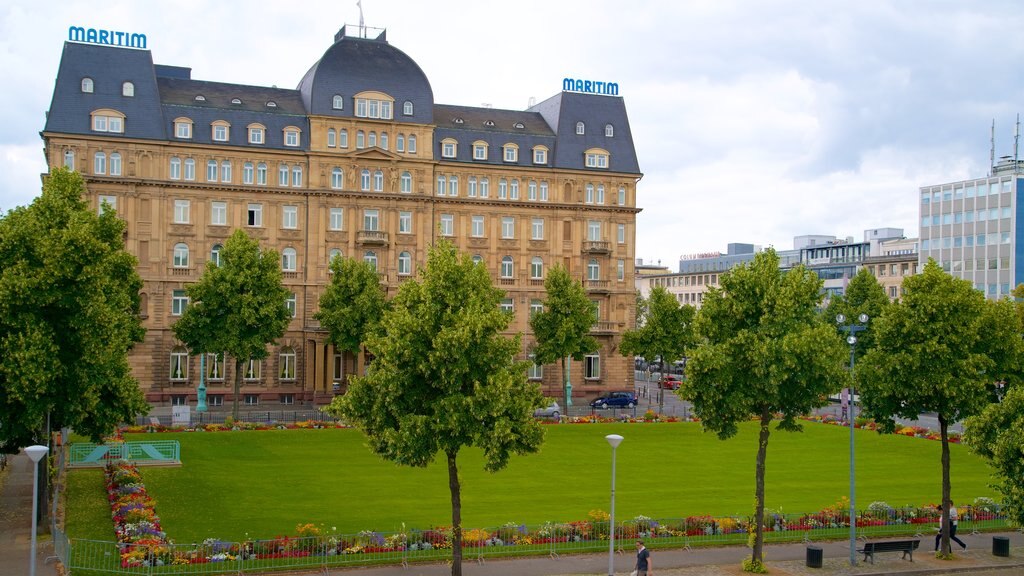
(590, 86)
(108, 37)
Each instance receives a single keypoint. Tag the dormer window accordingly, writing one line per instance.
(183, 128)
(338, 103)
(128, 89)
(200, 98)
(271, 104)
(256, 132)
(519, 125)
(106, 120)
(540, 155)
(448, 148)
(407, 108)
(87, 85)
(479, 150)
(236, 101)
(580, 129)
(596, 158)
(291, 136)
(510, 152)
(373, 105)
(221, 131)
(458, 120)
(489, 123)
(609, 131)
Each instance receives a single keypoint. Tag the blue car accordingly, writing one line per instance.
(615, 400)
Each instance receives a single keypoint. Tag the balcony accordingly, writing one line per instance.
(604, 328)
(596, 247)
(177, 271)
(372, 238)
(598, 286)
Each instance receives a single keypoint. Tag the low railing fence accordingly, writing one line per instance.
(320, 549)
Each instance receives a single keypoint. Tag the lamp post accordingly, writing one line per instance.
(35, 453)
(852, 328)
(614, 440)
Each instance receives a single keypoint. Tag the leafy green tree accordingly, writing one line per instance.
(443, 378)
(237, 307)
(562, 329)
(69, 315)
(934, 352)
(667, 329)
(864, 295)
(997, 434)
(352, 304)
(763, 350)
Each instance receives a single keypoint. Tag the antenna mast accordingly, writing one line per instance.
(1016, 141)
(362, 25)
(992, 149)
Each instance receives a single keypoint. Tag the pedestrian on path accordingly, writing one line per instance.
(643, 560)
(953, 517)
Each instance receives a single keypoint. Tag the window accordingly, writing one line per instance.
(371, 259)
(508, 227)
(448, 148)
(477, 259)
(580, 128)
(289, 217)
(502, 189)
(507, 306)
(255, 215)
(252, 372)
(531, 188)
(292, 304)
(215, 254)
(215, 366)
(334, 253)
(411, 149)
(543, 191)
(297, 176)
(338, 103)
(378, 181)
(115, 164)
(600, 194)
(594, 230)
(442, 185)
(536, 268)
(337, 178)
(336, 218)
(261, 174)
(510, 152)
(236, 101)
(332, 138)
(225, 171)
(109, 201)
(540, 155)
(252, 399)
(211, 170)
(179, 301)
(405, 222)
(593, 270)
(87, 85)
(364, 180)
(282, 175)
(342, 138)
(447, 225)
(190, 169)
(108, 121)
(220, 131)
(288, 259)
(609, 131)
(406, 183)
(513, 191)
(400, 143)
(622, 195)
(596, 159)
(404, 264)
(182, 209)
(372, 140)
(407, 108)
(179, 363)
(479, 150)
(99, 163)
(537, 229)
(256, 133)
(477, 226)
(506, 267)
(620, 270)
(485, 187)
(376, 106)
(453, 186)
(69, 159)
(371, 220)
(174, 172)
(183, 128)
(620, 233)
(180, 258)
(384, 140)
(536, 307)
(592, 367)
(589, 195)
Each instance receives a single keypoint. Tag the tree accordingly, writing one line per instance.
(69, 315)
(562, 328)
(934, 352)
(997, 434)
(864, 295)
(237, 307)
(763, 349)
(352, 304)
(667, 329)
(443, 378)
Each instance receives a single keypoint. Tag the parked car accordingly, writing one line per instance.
(671, 382)
(552, 411)
(615, 400)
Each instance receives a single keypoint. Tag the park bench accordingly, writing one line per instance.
(905, 546)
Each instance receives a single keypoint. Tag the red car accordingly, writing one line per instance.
(671, 382)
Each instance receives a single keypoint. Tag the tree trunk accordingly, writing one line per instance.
(453, 486)
(945, 523)
(762, 451)
(238, 388)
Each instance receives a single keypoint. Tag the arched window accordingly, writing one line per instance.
(506, 267)
(286, 361)
(371, 258)
(384, 140)
(69, 159)
(179, 363)
(477, 259)
(115, 164)
(400, 143)
(127, 89)
(404, 264)
(288, 259)
(593, 270)
(372, 140)
(412, 144)
(580, 129)
(87, 85)
(261, 174)
(332, 138)
(342, 138)
(337, 178)
(537, 268)
(360, 139)
(215, 366)
(407, 108)
(331, 255)
(99, 163)
(364, 180)
(247, 173)
(338, 103)
(175, 170)
(180, 255)
(252, 369)
(609, 131)
(215, 254)
(378, 181)
(406, 182)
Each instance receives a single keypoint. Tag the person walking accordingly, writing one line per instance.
(643, 560)
(953, 517)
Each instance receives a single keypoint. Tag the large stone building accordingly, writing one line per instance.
(358, 160)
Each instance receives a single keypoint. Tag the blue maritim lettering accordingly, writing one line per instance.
(108, 37)
(590, 86)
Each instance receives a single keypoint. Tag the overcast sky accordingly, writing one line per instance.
(754, 121)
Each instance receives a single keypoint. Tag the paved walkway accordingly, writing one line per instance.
(782, 559)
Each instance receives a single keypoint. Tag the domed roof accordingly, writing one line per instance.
(353, 65)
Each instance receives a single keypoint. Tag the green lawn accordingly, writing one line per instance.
(265, 483)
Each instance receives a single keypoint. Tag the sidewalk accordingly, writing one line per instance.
(16, 522)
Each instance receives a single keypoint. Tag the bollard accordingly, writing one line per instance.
(814, 556)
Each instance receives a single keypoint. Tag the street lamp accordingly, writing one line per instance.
(614, 440)
(852, 328)
(35, 453)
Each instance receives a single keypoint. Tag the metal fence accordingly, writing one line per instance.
(86, 454)
(254, 416)
(318, 549)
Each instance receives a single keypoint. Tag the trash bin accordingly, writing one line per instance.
(814, 556)
(1000, 546)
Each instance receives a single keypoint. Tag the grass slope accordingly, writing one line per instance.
(265, 483)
